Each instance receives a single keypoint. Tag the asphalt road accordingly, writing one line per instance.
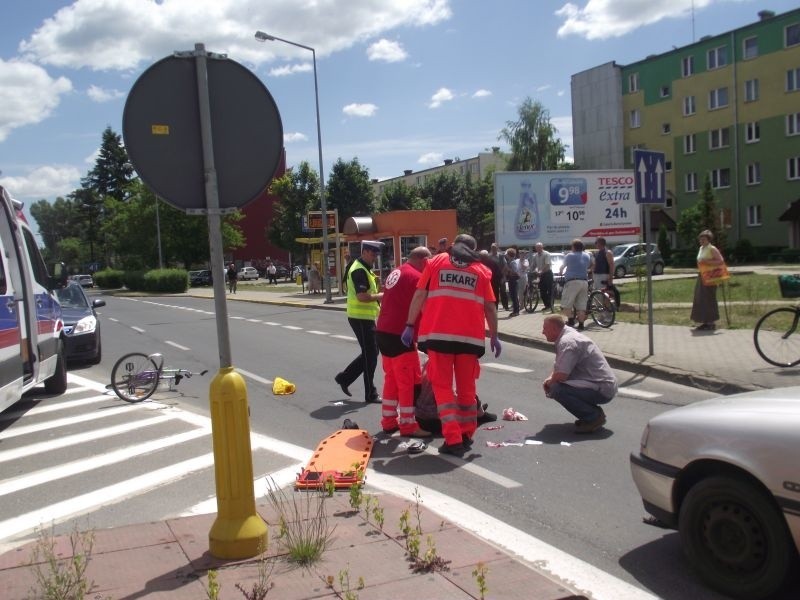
(572, 492)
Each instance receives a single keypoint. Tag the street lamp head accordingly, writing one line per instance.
(263, 37)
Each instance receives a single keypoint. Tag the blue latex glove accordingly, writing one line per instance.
(407, 337)
(494, 344)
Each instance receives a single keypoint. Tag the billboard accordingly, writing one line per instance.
(555, 207)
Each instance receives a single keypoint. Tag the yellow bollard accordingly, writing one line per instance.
(238, 531)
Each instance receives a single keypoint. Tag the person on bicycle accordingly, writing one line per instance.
(233, 277)
(576, 284)
(603, 273)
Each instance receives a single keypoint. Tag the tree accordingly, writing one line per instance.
(532, 139)
(57, 221)
(443, 191)
(476, 209)
(663, 243)
(297, 192)
(400, 196)
(349, 190)
(112, 171)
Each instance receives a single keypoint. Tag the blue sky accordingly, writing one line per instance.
(403, 84)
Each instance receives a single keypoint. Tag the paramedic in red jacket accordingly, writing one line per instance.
(456, 299)
(401, 367)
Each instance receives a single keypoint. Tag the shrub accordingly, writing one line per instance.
(109, 279)
(166, 280)
(134, 280)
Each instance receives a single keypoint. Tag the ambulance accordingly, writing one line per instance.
(31, 348)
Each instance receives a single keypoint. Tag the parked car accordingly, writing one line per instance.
(202, 277)
(81, 327)
(724, 473)
(282, 272)
(630, 257)
(556, 258)
(248, 273)
(83, 280)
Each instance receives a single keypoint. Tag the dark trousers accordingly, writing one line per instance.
(512, 291)
(503, 297)
(546, 288)
(366, 362)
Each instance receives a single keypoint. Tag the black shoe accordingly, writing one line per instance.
(338, 379)
(571, 322)
(579, 327)
(466, 441)
(454, 449)
(486, 417)
(373, 400)
(348, 424)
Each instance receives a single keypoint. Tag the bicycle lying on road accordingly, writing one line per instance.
(136, 376)
(774, 334)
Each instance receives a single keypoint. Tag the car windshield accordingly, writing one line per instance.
(71, 297)
(618, 250)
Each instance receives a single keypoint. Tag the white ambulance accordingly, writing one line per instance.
(31, 348)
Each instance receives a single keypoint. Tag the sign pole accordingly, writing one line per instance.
(649, 267)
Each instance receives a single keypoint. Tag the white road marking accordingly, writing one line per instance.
(75, 467)
(26, 429)
(254, 377)
(84, 503)
(139, 329)
(272, 323)
(176, 345)
(238, 319)
(475, 469)
(254, 320)
(317, 332)
(347, 338)
(113, 319)
(74, 390)
(47, 408)
(292, 327)
(641, 394)
(502, 367)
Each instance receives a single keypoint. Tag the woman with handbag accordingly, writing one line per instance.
(705, 309)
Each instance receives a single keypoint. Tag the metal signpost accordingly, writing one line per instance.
(205, 134)
(650, 186)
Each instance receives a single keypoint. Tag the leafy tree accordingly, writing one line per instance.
(476, 209)
(663, 243)
(349, 190)
(532, 139)
(443, 191)
(112, 171)
(57, 221)
(690, 223)
(708, 208)
(400, 196)
(297, 192)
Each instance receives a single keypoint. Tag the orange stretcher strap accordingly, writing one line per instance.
(341, 457)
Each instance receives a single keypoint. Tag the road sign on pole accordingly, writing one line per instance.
(650, 185)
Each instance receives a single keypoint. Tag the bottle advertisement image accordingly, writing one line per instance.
(555, 207)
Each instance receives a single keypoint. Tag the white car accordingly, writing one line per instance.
(248, 273)
(726, 474)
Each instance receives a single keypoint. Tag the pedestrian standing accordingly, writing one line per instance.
(512, 276)
(542, 264)
(581, 379)
(272, 273)
(502, 263)
(233, 278)
(401, 366)
(576, 284)
(705, 309)
(362, 311)
(455, 297)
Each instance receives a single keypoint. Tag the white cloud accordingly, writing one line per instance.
(482, 94)
(360, 110)
(600, 19)
(442, 95)
(387, 51)
(43, 182)
(430, 158)
(121, 35)
(561, 93)
(288, 138)
(543, 88)
(27, 95)
(290, 69)
(98, 94)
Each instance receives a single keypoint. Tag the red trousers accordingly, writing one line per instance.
(400, 375)
(458, 412)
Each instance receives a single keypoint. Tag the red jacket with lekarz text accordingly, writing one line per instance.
(453, 320)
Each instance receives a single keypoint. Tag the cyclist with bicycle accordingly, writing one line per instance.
(576, 285)
(603, 270)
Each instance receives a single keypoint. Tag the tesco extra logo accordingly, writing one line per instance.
(626, 180)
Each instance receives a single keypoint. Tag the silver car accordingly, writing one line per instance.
(726, 474)
(630, 257)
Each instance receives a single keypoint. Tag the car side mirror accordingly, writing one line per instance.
(97, 303)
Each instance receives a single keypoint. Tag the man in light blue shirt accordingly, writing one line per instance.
(576, 284)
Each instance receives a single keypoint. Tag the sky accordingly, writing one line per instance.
(403, 84)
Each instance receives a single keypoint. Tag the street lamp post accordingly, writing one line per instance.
(263, 37)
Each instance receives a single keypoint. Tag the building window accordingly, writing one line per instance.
(753, 215)
(633, 82)
(750, 48)
(793, 124)
(665, 129)
(689, 106)
(635, 119)
(473, 168)
(668, 200)
(792, 35)
(752, 132)
(419, 180)
(751, 90)
(664, 91)
(691, 182)
(720, 178)
(717, 57)
(719, 138)
(718, 98)
(689, 143)
(687, 66)
(753, 173)
(793, 168)
(793, 80)
(668, 165)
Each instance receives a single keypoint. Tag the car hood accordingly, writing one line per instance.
(778, 402)
(73, 315)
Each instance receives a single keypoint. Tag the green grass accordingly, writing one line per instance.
(748, 297)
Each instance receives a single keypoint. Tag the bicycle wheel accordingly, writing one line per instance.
(602, 309)
(134, 377)
(531, 298)
(775, 339)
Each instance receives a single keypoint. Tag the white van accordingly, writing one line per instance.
(31, 349)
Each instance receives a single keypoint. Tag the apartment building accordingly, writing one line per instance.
(726, 107)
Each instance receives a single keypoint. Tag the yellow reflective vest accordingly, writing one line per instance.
(355, 308)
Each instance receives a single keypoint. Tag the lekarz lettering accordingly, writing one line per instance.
(458, 279)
